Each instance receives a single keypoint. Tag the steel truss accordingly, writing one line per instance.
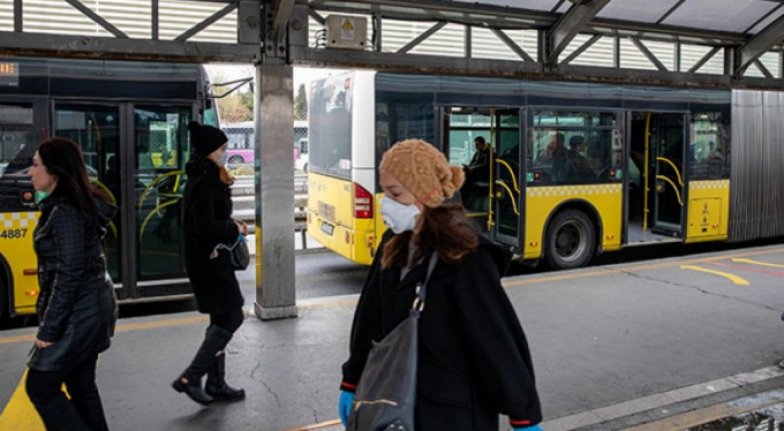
(277, 32)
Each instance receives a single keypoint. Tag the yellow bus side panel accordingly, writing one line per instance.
(331, 219)
(607, 199)
(709, 211)
(16, 247)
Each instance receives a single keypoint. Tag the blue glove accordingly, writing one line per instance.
(344, 406)
(531, 428)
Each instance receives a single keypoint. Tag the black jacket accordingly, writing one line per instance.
(474, 361)
(77, 308)
(206, 223)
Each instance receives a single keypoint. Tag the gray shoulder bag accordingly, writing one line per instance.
(386, 392)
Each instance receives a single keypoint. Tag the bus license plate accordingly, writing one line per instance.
(327, 228)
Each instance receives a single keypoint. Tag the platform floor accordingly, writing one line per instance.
(608, 343)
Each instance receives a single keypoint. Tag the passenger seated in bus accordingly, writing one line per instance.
(598, 160)
(556, 155)
(715, 161)
(577, 167)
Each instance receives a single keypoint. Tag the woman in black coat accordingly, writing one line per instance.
(473, 359)
(77, 309)
(207, 223)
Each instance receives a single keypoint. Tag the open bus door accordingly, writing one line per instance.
(493, 198)
(656, 187)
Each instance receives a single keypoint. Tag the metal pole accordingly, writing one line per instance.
(275, 284)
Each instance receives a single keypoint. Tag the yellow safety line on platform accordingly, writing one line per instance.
(740, 281)
(19, 413)
(756, 262)
(323, 426)
(700, 417)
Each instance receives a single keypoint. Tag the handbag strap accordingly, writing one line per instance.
(421, 289)
(214, 254)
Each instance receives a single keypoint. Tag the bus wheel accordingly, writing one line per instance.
(236, 160)
(571, 240)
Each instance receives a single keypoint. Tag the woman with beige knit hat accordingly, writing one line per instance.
(473, 359)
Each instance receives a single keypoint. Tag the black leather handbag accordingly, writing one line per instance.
(239, 254)
(386, 393)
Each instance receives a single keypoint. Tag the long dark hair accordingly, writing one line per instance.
(63, 159)
(445, 229)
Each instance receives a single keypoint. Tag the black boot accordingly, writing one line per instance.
(193, 390)
(217, 387)
(215, 340)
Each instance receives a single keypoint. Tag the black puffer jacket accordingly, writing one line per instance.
(206, 223)
(473, 358)
(77, 307)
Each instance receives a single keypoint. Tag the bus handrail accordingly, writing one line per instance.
(674, 187)
(511, 172)
(157, 180)
(511, 195)
(674, 167)
(156, 210)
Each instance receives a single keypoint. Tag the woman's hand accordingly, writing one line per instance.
(242, 226)
(41, 344)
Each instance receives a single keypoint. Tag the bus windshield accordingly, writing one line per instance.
(330, 126)
(16, 132)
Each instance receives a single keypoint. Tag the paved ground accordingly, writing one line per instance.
(612, 343)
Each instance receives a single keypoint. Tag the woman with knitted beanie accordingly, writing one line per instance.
(206, 223)
(473, 360)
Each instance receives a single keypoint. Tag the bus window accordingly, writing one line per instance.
(162, 150)
(16, 134)
(96, 129)
(330, 128)
(574, 148)
(709, 152)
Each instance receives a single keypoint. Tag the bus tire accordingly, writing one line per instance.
(571, 240)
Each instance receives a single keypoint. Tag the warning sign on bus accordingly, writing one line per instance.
(347, 29)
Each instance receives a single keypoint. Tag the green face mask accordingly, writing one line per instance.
(40, 195)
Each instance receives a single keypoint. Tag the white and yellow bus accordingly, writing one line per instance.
(578, 168)
(130, 120)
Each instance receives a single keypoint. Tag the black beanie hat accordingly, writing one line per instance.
(206, 139)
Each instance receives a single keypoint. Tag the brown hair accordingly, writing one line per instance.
(444, 229)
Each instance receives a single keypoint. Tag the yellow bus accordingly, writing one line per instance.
(578, 169)
(130, 120)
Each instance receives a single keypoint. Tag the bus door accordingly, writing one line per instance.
(136, 155)
(507, 183)
(668, 133)
(655, 205)
(158, 153)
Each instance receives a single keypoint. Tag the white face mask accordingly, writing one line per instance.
(398, 217)
(224, 158)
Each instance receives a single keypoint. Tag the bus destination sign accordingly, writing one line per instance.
(9, 74)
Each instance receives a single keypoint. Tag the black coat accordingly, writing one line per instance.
(474, 361)
(77, 308)
(206, 223)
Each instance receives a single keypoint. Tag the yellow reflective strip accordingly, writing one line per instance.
(740, 281)
(756, 262)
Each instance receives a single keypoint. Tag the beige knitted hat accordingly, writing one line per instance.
(423, 170)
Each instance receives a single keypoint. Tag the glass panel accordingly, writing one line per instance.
(564, 156)
(330, 126)
(97, 131)
(668, 140)
(508, 176)
(574, 119)
(709, 153)
(721, 15)
(637, 10)
(161, 153)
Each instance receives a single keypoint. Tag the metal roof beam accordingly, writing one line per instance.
(40, 44)
(187, 34)
(284, 10)
(97, 18)
(759, 45)
(571, 23)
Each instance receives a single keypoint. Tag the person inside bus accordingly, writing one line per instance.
(77, 309)
(556, 155)
(599, 159)
(577, 166)
(477, 175)
(207, 223)
(473, 359)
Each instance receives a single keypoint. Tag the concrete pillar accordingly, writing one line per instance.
(275, 294)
